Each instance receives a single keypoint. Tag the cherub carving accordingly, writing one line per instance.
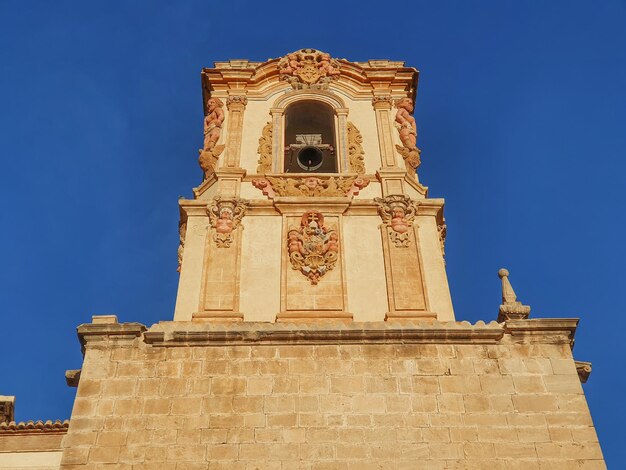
(225, 216)
(325, 65)
(407, 131)
(212, 131)
(398, 213)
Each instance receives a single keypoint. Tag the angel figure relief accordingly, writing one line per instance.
(405, 123)
(212, 132)
(398, 213)
(313, 248)
(225, 216)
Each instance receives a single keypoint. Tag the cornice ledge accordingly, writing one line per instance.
(93, 333)
(543, 330)
(430, 207)
(323, 333)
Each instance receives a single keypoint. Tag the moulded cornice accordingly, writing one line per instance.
(357, 80)
(179, 334)
(553, 330)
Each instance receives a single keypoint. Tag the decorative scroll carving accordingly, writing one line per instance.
(182, 231)
(310, 186)
(442, 230)
(212, 131)
(405, 123)
(265, 149)
(510, 309)
(398, 212)
(355, 150)
(308, 68)
(313, 248)
(225, 216)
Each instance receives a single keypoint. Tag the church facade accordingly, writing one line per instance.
(314, 326)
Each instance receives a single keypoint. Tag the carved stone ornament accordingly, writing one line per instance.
(265, 149)
(308, 68)
(182, 231)
(236, 100)
(310, 186)
(313, 248)
(382, 100)
(212, 131)
(225, 216)
(398, 212)
(510, 309)
(442, 230)
(405, 123)
(355, 150)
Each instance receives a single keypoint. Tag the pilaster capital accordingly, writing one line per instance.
(236, 102)
(382, 102)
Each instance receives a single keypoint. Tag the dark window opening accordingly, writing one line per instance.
(310, 138)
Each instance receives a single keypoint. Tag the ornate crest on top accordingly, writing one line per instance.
(398, 212)
(313, 248)
(225, 216)
(308, 68)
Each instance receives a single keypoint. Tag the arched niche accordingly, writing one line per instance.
(299, 100)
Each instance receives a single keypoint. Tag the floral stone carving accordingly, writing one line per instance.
(398, 212)
(313, 248)
(182, 232)
(308, 68)
(405, 123)
(212, 131)
(355, 150)
(310, 186)
(225, 216)
(265, 149)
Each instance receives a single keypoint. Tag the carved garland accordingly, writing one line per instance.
(225, 216)
(265, 149)
(313, 248)
(398, 212)
(310, 186)
(355, 150)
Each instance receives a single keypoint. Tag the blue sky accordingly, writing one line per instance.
(521, 113)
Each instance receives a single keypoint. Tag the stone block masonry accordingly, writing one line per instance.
(327, 396)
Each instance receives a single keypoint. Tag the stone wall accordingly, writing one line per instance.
(369, 395)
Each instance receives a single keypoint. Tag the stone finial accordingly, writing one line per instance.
(7, 409)
(510, 309)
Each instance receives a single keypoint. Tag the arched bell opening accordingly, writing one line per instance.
(310, 140)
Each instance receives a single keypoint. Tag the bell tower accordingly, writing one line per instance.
(310, 207)
(313, 324)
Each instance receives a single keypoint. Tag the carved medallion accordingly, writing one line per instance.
(225, 216)
(265, 149)
(355, 150)
(310, 186)
(308, 68)
(313, 248)
(398, 212)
